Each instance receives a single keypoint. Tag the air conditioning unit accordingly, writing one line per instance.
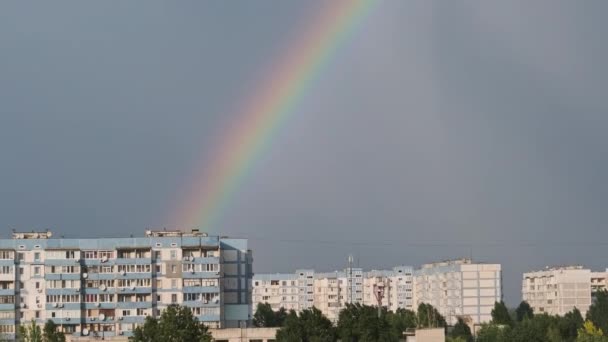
(122, 289)
(60, 305)
(104, 258)
(77, 290)
(67, 318)
(120, 318)
(22, 305)
(124, 273)
(192, 259)
(121, 333)
(55, 305)
(97, 304)
(132, 287)
(39, 290)
(92, 318)
(39, 306)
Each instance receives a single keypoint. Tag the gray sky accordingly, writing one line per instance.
(437, 127)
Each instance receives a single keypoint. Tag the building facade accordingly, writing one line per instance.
(331, 291)
(459, 288)
(559, 290)
(107, 286)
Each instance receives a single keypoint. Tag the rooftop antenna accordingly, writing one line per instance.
(350, 277)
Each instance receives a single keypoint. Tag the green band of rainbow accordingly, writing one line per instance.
(262, 116)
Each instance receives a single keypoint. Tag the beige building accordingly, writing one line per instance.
(559, 290)
(330, 292)
(459, 288)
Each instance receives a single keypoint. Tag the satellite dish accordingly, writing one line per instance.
(85, 332)
(102, 287)
(102, 317)
(85, 275)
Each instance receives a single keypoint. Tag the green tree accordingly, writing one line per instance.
(500, 314)
(361, 323)
(50, 333)
(266, 317)
(570, 324)
(493, 333)
(176, 324)
(537, 329)
(523, 311)
(310, 326)
(401, 320)
(461, 330)
(428, 317)
(30, 333)
(590, 333)
(598, 311)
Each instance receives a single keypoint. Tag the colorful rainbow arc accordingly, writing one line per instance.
(263, 114)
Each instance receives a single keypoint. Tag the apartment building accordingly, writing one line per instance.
(331, 291)
(459, 288)
(106, 287)
(558, 290)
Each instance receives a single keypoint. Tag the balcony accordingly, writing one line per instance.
(201, 289)
(134, 305)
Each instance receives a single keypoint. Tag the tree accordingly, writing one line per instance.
(598, 311)
(266, 317)
(570, 324)
(401, 320)
(51, 334)
(500, 314)
(461, 330)
(429, 317)
(30, 333)
(176, 324)
(523, 311)
(590, 333)
(493, 333)
(310, 326)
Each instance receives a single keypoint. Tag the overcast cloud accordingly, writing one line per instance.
(440, 130)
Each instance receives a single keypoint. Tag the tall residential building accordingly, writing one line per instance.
(108, 286)
(459, 288)
(559, 290)
(331, 291)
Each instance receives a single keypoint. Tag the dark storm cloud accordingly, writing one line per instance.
(439, 130)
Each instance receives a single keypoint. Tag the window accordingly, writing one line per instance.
(37, 284)
(173, 269)
(174, 298)
(37, 270)
(173, 255)
(37, 314)
(37, 256)
(173, 283)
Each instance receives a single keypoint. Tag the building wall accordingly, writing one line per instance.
(108, 286)
(330, 292)
(459, 288)
(559, 290)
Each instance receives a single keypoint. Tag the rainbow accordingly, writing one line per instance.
(263, 114)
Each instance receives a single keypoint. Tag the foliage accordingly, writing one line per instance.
(176, 324)
(51, 334)
(429, 317)
(590, 333)
(493, 333)
(461, 331)
(598, 311)
(523, 311)
(309, 326)
(401, 320)
(30, 333)
(500, 314)
(266, 317)
(361, 323)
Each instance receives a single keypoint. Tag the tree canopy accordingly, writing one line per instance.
(500, 314)
(598, 311)
(309, 326)
(523, 311)
(266, 317)
(176, 324)
(461, 331)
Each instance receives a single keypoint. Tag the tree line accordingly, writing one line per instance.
(361, 323)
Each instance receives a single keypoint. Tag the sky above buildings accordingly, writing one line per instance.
(438, 130)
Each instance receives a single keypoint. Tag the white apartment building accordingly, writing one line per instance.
(108, 286)
(559, 290)
(459, 288)
(330, 292)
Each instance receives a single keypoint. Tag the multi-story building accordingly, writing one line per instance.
(108, 286)
(330, 292)
(559, 290)
(459, 288)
